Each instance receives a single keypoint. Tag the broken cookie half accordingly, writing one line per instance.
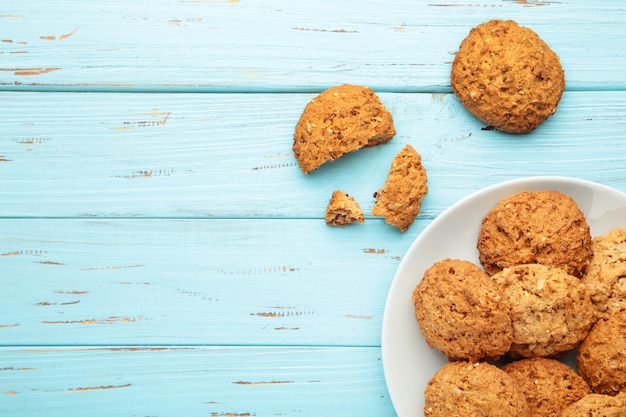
(340, 120)
(400, 199)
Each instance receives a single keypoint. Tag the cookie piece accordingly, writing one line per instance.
(460, 312)
(601, 357)
(340, 120)
(343, 209)
(550, 311)
(507, 77)
(548, 385)
(400, 198)
(606, 274)
(471, 390)
(545, 227)
(596, 405)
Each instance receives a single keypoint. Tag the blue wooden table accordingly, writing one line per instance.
(162, 254)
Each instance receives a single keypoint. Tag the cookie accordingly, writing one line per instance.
(460, 312)
(596, 405)
(551, 312)
(545, 227)
(343, 209)
(473, 389)
(400, 199)
(606, 274)
(507, 77)
(340, 120)
(548, 385)
(601, 357)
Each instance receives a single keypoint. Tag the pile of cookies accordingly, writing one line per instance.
(544, 287)
(347, 118)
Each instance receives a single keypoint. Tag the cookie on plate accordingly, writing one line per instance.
(507, 76)
(545, 227)
(473, 389)
(548, 385)
(400, 199)
(601, 357)
(550, 311)
(596, 405)
(606, 274)
(460, 312)
(340, 120)
(343, 209)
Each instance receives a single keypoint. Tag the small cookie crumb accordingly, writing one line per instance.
(343, 209)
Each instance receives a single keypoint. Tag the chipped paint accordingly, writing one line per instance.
(10, 16)
(99, 388)
(274, 166)
(356, 316)
(48, 303)
(61, 37)
(110, 320)
(3, 159)
(49, 263)
(8, 326)
(231, 414)
(161, 120)
(286, 328)
(22, 72)
(262, 382)
(71, 292)
(10, 392)
(374, 251)
(18, 369)
(326, 30)
(283, 314)
(112, 268)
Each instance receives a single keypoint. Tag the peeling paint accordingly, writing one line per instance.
(374, 251)
(283, 314)
(21, 72)
(161, 120)
(326, 30)
(274, 166)
(61, 37)
(49, 263)
(355, 316)
(111, 268)
(99, 388)
(110, 320)
(262, 382)
(71, 292)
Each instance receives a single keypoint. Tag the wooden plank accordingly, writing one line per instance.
(192, 381)
(215, 282)
(231, 45)
(155, 155)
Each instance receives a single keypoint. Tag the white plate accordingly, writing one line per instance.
(408, 362)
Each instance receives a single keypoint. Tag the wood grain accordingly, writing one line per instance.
(229, 155)
(230, 46)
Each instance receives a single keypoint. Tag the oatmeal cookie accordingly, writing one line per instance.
(596, 405)
(343, 209)
(472, 390)
(550, 310)
(606, 274)
(507, 77)
(460, 312)
(400, 199)
(545, 227)
(601, 357)
(548, 385)
(340, 120)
